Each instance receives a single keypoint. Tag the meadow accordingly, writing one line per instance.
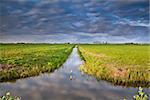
(127, 65)
(24, 60)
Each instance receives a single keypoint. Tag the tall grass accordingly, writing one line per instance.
(120, 64)
(23, 60)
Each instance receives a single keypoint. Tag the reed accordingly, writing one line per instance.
(126, 65)
(24, 60)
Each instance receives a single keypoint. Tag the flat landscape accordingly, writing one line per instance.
(63, 71)
(126, 65)
(120, 64)
(74, 49)
(24, 60)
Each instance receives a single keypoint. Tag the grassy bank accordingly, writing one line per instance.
(80, 54)
(24, 60)
(126, 65)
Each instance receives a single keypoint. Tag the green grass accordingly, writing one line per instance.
(23, 60)
(120, 64)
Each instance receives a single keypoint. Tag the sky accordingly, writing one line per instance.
(74, 21)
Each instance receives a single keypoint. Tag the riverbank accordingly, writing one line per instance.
(125, 65)
(25, 60)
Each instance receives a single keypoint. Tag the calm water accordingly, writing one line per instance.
(59, 86)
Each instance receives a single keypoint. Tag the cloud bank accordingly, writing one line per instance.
(76, 21)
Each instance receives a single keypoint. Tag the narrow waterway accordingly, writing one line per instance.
(67, 83)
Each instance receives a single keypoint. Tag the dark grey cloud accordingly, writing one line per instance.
(74, 20)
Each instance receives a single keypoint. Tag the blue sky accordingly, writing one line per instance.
(75, 21)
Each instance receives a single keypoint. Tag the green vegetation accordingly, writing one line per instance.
(23, 60)
(141, 95)
(80, 53)
(126, 65)
(8, 96)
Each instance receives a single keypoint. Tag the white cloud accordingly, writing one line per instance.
(91, 34)
(78, 24)
(125, 21)
(136, 23)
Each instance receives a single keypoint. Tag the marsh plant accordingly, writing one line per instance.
(125, 65)
(141, 95)
(24, 60)
(8, 96)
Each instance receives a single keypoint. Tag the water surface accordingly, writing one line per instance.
(67, 83)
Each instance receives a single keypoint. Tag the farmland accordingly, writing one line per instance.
(24, 60)
(119, 64)
(126, 65)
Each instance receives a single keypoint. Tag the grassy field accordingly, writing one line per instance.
(23, 60)
(127, 65)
